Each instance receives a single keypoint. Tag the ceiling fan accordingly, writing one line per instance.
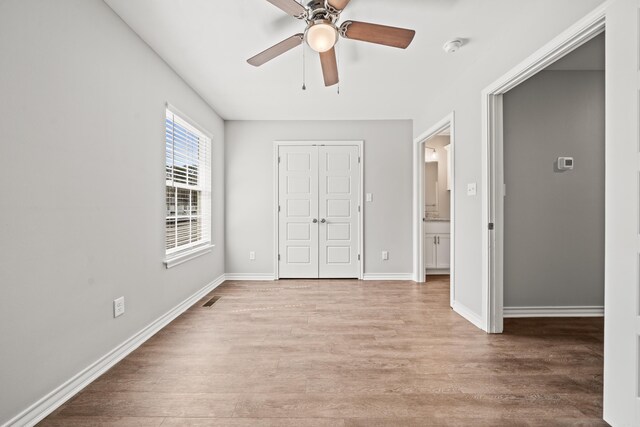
(322, 34)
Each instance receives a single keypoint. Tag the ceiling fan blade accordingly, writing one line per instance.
(379, 34)
(339, 4)
(329, 67)
(292, 7)
(277, 50)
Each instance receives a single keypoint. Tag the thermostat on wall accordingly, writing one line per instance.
(565, 163)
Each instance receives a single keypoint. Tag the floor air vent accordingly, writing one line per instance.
(211, 302)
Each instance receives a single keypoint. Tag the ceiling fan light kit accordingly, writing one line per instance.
(322, 33)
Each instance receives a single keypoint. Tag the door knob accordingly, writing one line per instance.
(323, 220)
(315, 221)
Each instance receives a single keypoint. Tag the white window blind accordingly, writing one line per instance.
(188, 185)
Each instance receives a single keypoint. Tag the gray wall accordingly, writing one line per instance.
(82, 206)
(463, 96)
(554, 221)
(249, 197)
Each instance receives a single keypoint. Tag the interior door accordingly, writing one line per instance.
(298, 216)
(339, 198)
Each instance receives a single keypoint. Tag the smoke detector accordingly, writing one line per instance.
(452, 45)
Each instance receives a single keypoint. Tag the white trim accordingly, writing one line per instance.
(50, 402)
(177, 253)
(388, 276)
(418, 200)
(189, 120)
(182, 257)
(276, 222)
(251, 277)
(468, 314)
(492, 163)
(276, 216)
(587, 311)
(259, 277)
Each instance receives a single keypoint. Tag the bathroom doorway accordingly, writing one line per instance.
(434, 203)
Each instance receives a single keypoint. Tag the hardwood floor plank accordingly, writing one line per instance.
(102, 422)
(252, 422)
(348, 353)
(150, 404)
(404, 405)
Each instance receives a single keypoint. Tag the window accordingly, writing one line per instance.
(188, 185)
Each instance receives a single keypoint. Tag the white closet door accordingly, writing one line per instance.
(339, 179)
(298, 204)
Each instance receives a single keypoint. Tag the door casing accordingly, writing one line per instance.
(447, 122)
(276, 196)
(492, 159)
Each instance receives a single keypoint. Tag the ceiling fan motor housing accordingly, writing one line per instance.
(315, 4)
(318, 9)
(322, 33)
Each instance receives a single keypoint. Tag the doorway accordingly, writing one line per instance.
(437, 207)
(494, 189)
(318, 201)
(434, 204)
(554, 175)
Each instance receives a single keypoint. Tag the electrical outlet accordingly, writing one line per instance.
(252, 256)
(369, 197)
(385, 255)
(118, 307)
(472, 189)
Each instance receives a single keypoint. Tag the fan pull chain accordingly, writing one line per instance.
(339, 49)
(304, 74)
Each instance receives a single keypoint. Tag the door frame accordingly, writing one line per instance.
(493, 163)
(418, 199)
(276, 196)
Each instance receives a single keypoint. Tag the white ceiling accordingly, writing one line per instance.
(207, 42)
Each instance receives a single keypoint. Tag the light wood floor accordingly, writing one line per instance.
(348, 353)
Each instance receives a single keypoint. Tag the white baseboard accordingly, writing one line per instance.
(586, 311)
(49, 403)
(271, 277)
(468, 314)
(388, 276)
(257, 277)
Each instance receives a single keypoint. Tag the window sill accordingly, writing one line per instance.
(182, 257)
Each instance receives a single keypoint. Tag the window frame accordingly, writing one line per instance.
(183, 253)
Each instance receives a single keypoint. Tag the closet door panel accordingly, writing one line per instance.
(298, 212)
(339, 196)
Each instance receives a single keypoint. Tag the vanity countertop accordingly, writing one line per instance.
(437, 226)
(438, 220)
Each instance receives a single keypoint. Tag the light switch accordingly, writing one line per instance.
(118, 307)
(471, 189)
(369, 197)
